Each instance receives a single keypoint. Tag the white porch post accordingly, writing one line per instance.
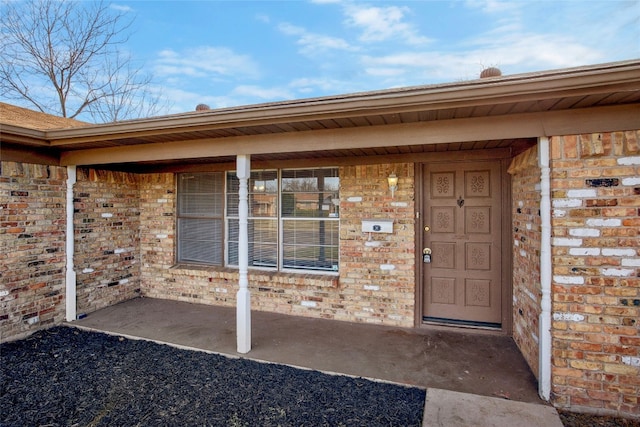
(70, 296)
(243, 308)
(544, 350)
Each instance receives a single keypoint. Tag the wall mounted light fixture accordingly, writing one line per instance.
(393, 183)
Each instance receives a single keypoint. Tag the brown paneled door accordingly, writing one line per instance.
(462, 228)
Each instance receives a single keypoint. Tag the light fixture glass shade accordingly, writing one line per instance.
(393, 183)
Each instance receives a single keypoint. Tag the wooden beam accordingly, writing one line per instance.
(448, 156)
(39, 156)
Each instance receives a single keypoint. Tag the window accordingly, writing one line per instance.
(293, 219)
(200, 218)
(309, 220)
(262, 221)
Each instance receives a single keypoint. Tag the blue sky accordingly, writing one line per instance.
(229, 53)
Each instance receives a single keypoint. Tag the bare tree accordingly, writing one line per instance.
(127, 94)
(66, 58)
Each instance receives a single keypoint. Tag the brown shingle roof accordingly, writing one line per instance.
(18, 116)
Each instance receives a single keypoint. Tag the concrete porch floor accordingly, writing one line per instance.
(456, 360)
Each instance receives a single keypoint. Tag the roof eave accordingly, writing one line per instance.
(540, 85)
(22, 135)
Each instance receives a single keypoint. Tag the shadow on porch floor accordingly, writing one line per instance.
(456, 360)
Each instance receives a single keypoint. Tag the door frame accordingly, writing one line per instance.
(504, 157)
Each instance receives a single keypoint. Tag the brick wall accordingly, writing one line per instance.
(525, 185)
(378, 275)
(376, 282)
(157, 235)
(32, 250)
(107, 242)
(596, 289)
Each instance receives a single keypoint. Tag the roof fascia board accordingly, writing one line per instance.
(22, 135)
(526, 125)
(477, 92)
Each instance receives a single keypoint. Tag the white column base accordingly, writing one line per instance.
(243, 320)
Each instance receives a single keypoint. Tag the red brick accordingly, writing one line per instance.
(631, 222)
(604, 395)
(586, 346)
(30, 241)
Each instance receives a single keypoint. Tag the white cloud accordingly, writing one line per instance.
(536, 51)
(382, 23)
(510, 44)
(310, 42)
(538, 35)
(384, 72)
(186, 100)
(355, 46)
(306, 85)
(121, 7)
(416, 67)
(205, 61)
(252, 91)
(263, 18)
(512, 54)
(494, 6)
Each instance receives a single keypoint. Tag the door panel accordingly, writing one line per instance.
(462, 203)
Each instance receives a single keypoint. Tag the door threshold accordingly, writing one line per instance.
(462, 323)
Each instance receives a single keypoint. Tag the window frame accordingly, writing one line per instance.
(191, 216)
(280, 220)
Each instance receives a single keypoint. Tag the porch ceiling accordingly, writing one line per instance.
(499, 112)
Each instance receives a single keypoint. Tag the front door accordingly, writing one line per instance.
(462, 226)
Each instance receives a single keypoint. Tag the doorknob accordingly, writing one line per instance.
(426, 251)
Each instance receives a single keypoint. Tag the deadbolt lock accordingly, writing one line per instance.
(426, 255)
(427, 228)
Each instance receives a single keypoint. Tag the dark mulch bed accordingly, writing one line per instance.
(572, 419)
(65, 377)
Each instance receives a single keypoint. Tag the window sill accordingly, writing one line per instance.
(259, 278)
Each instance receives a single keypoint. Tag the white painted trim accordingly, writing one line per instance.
(243, 304)
(70, 286)
(544, 349)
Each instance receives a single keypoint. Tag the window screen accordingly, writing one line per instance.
(310, 212)
(293, 219)
(200, 228)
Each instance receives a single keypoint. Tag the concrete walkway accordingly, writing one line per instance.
(474, 378)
